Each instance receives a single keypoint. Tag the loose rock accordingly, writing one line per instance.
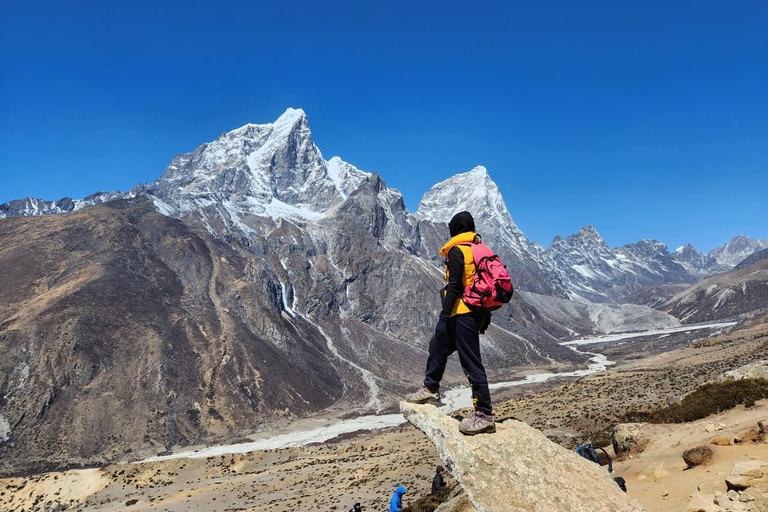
(697, 456)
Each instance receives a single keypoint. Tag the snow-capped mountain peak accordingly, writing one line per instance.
(593, 270)
(477, 193)
(282, 125)
(694, 260)
(473, 191)
(589, 233)
(272, 170)
(736, 249)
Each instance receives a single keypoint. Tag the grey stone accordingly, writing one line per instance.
(517, 469)
(629, 438)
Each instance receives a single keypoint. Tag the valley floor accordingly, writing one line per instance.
(368, 466)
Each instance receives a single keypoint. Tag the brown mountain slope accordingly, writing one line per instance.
(725, 295)
(123, 329)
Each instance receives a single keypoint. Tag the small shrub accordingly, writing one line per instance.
(697, 456)
(429, 502)
(708, 399)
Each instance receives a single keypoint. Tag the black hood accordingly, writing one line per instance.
(462, 222)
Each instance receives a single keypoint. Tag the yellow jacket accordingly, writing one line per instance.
(460, 308)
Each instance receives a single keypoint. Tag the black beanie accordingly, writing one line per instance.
(462, 222)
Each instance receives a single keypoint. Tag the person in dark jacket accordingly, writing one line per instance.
(356, 506)
(438, 482)
(458, 330)
(396, 501)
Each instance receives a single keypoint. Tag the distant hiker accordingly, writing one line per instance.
(396, 501)
(356, 507)
(459, 329)
(438, 483)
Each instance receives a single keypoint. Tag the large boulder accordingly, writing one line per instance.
(518, 469)
(629, 438)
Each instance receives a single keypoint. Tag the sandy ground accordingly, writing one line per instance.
(330, 476)
(660, 479)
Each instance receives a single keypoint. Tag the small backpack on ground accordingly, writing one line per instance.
(588, 452)
(491, 287)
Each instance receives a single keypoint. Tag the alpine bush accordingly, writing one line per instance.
(708, 399)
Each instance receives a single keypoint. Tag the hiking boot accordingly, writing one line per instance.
(478, 423)
(422, 396)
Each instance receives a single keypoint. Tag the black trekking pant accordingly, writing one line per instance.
(464, 338)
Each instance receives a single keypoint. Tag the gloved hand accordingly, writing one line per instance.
(485, 321)
(441, 329)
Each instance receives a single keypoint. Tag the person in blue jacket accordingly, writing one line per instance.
(396, 501)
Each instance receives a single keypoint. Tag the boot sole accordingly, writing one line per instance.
(430, 400)
(487, 430)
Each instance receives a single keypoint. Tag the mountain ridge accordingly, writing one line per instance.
(275, 170)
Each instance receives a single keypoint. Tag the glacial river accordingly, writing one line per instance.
(453, 399)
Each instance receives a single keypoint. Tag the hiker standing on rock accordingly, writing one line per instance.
(459, 329)
(396, 501)
(438, 483)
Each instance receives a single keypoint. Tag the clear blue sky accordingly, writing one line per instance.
(646, 119)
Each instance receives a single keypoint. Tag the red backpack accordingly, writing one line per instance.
(491, 287)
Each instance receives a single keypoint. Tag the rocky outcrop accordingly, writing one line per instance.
(756, 370)
(518, 469)
(629, 438)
